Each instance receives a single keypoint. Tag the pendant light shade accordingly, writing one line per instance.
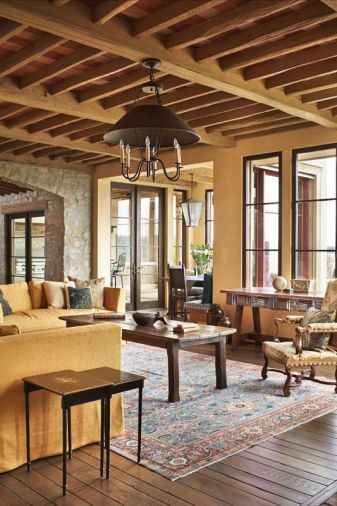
(191, 209)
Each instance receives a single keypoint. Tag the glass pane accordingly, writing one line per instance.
(262, 227)
(262, 180)
(18, 266)
(316, 174)
(19, 247)
(149, 244)
(38, 247)
(259, 266)
(38, 267)
(18, 227)
(121, 240)
(38, 226)
(316, 225)
(319, 266)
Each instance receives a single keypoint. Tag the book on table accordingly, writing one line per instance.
(109, 316)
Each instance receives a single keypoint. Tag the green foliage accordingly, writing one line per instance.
(202, 254)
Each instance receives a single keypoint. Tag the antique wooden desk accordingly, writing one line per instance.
(266, 298)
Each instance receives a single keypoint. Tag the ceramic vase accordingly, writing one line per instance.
(279, 283)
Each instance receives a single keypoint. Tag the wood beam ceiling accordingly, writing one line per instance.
(73, 22)
(108, 9)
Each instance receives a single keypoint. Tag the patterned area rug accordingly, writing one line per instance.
(208, 424)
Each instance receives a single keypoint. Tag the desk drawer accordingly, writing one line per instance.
(259, 301)
(301, 305)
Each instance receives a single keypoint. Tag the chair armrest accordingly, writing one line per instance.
(292, 319)
(114, 299)
(326, 328)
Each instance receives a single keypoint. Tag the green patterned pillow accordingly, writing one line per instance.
(79, 298)
(316, 341)
(6, 308)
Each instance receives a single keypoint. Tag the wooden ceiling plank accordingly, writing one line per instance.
(48, 151)
(10, 28)
(20, 58)
(331, 3)
(59, 3)
(49, 123)
(263, 126)
(73, 22)
(80, 158)
(98, 159)
(36, 96)
(116, 86)
(108, 9)
(256, 119)
(294, 42)
(227, 20)
(99, 72)
(27, 118)
(65, 152)
(244, 112)
(74, 126)
(28, 149)
(300, 74)
(289, 61)
(78, 56)
(235, 103)
(88, 132)
(265, 32)
(327, 104)
(216, 97)
(7, 110)
(316, 96)
(319, 83)
(12, 146)
(277, 130)
(95, 138)
(170, 14)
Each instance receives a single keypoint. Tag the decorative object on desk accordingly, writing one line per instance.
(148, 319)
(302, 285)
(149, 128)
(191, 209)
(278, 282)
(202, 254)
(109, 316)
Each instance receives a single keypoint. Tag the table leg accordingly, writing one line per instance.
(173, 372)
(237, 325)
(69, 434)
(220, 363)
(64, 433)
(27, 430)
(107, 436)
(140, 401)
(257, 324)
(101, 469)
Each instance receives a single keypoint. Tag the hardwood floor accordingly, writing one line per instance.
(296, 467)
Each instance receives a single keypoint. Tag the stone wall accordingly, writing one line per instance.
(68, 213)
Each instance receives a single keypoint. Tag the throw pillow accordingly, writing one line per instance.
(6, 308)
(9, 330)
(79, 298)
(97, 290)
(54, 291)
(316, 341)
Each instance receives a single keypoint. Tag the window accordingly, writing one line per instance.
(179, 229)
(209, 217)
(26, 246)
(261, 219)
(314, 215)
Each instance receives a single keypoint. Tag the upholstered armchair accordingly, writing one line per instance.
(292, 354)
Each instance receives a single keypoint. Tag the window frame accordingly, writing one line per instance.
(294, 250)
(183, 226)
(247, 159)
(208, 221)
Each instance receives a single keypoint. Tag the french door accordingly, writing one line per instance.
(137, 244)
(25, 246)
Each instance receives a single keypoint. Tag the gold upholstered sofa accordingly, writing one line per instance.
(33, 353)
(30, 312)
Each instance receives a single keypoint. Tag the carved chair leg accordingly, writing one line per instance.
(278, 321)
(286, 386)
(313, 372)
(265, 367)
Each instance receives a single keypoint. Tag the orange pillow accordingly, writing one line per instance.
(37, 294)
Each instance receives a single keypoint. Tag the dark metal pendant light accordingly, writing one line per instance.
(191, 209)
(149, 128)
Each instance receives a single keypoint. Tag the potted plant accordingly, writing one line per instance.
(202, 254)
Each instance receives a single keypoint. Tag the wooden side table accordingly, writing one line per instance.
(74, 388)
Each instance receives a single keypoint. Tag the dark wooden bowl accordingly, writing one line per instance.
(147, 319)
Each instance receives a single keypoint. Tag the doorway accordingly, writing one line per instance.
(136, 244)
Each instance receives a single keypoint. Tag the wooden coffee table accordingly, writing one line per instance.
(160, 337)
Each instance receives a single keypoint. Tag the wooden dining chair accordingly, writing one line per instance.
(178, 292)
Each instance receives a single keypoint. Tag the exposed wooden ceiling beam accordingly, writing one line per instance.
(294, 42)
(109, 8)
(316, 96)
(192, 91)
(54, 121)
(10, 28)
(214, 139)
(318, 83)
(263, 126)
(292, 60)
(28, 149)
(300, 74)
(331, 3)
(12, 146)
(36, 96)
(288, 128)
(265, 32)
(227, 20)
(115, 86)
(235, 103)
(47, 151)
(61, 141)
(256, 119)
(82, 157)
(74, 126)
(217, 97)
(7, 110)
(28, 159)
(59, 3)
(27, 118)
(95, 130)
(327, 104)
(73, 22)
(170, 14)
(90, 75)
(20, 58)
(65, 63)
(244, 112)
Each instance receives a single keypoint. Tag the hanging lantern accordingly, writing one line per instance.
(191, 209)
